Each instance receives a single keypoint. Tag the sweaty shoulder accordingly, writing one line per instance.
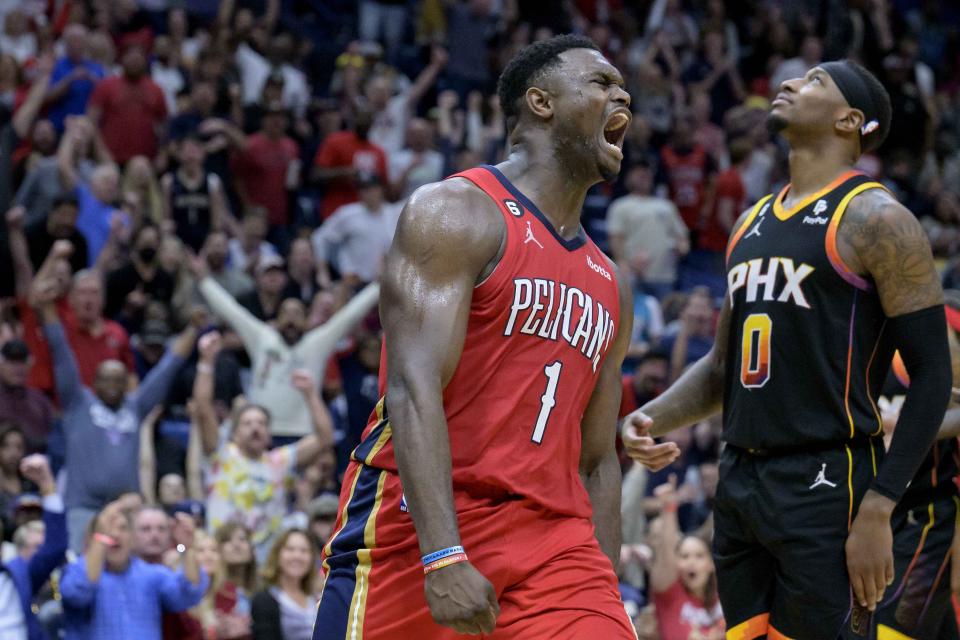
(881, 238)
(452, 218)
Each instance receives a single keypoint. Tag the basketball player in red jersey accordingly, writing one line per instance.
(825, 280)
(484, 496)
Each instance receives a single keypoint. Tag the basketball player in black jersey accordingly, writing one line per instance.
(825, 280)
(917, 604)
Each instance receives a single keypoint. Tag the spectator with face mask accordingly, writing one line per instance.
(140, 281)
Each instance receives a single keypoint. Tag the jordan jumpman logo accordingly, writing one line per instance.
(822, 478)
(530, 237)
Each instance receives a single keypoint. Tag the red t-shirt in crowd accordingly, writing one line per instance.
(714, 237)
(346, 149)
(262, 169)
(680, 616)
(130, 110)
(686, 174)
(112, 343)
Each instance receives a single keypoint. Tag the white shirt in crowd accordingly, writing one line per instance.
(429, 170)
(273, 361)
(389, 126)
(650, 225)
(355, 239)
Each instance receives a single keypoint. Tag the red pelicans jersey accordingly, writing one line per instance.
(539, 329)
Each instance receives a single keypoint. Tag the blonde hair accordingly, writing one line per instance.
(271, 569)
(150, 199)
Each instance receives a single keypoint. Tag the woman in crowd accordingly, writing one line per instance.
(224, 611)
(287, 606)
(683, 579)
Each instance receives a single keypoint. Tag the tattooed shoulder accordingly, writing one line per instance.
(888, 244)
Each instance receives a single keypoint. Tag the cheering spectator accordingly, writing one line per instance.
(165, 70)
(269, 289)
(102, 423)
(693, 335)
(729, 202)
(13, 447)
(41, 548)
(277, 351)
(140, 181)
(225, 609)
(322, 515)
(129, 109)
(151, 534)
(683, 579)
(24, 406)
(193, 198)
(689, 172)
(302, 271)
(286, 608)
(73, 79)
(215, 253)
(417, 164)
(267, 167)
(96, 209)
(345, 156)
(646, 382)
(110, 593)
(647, 234)
(138, 282)
(60, 224)
(250, 246)
(248, 482)
(391, 112)
(360, 233)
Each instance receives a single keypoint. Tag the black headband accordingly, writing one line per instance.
(856, 92)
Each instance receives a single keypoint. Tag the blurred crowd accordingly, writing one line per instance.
(199, 196)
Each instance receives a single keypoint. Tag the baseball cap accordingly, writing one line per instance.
(365, 179)
(270, 262)
(154, 333)
(323, 506)
(15, 350)
(26, 502)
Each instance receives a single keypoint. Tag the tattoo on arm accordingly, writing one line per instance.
(886, 241)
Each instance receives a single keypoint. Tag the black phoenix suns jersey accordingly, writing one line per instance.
(806, 357)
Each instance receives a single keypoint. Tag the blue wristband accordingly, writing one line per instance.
(443, 553)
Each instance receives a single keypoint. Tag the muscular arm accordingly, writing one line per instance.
(599, 466)
(440, 251)
(883, 239)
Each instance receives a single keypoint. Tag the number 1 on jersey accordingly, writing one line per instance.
(548, 400)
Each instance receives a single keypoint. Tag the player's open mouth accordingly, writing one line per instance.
(615, 130)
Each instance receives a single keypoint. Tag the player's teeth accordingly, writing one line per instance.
(618, 120)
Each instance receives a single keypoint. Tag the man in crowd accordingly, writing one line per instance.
(248, 481)
(647, 234)
(40, 550)
(24, 406)
(60, 224)
(360, 233)
(110, 593)
(102, 423)
(279, 348)
(73, 79)
(129, 109)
